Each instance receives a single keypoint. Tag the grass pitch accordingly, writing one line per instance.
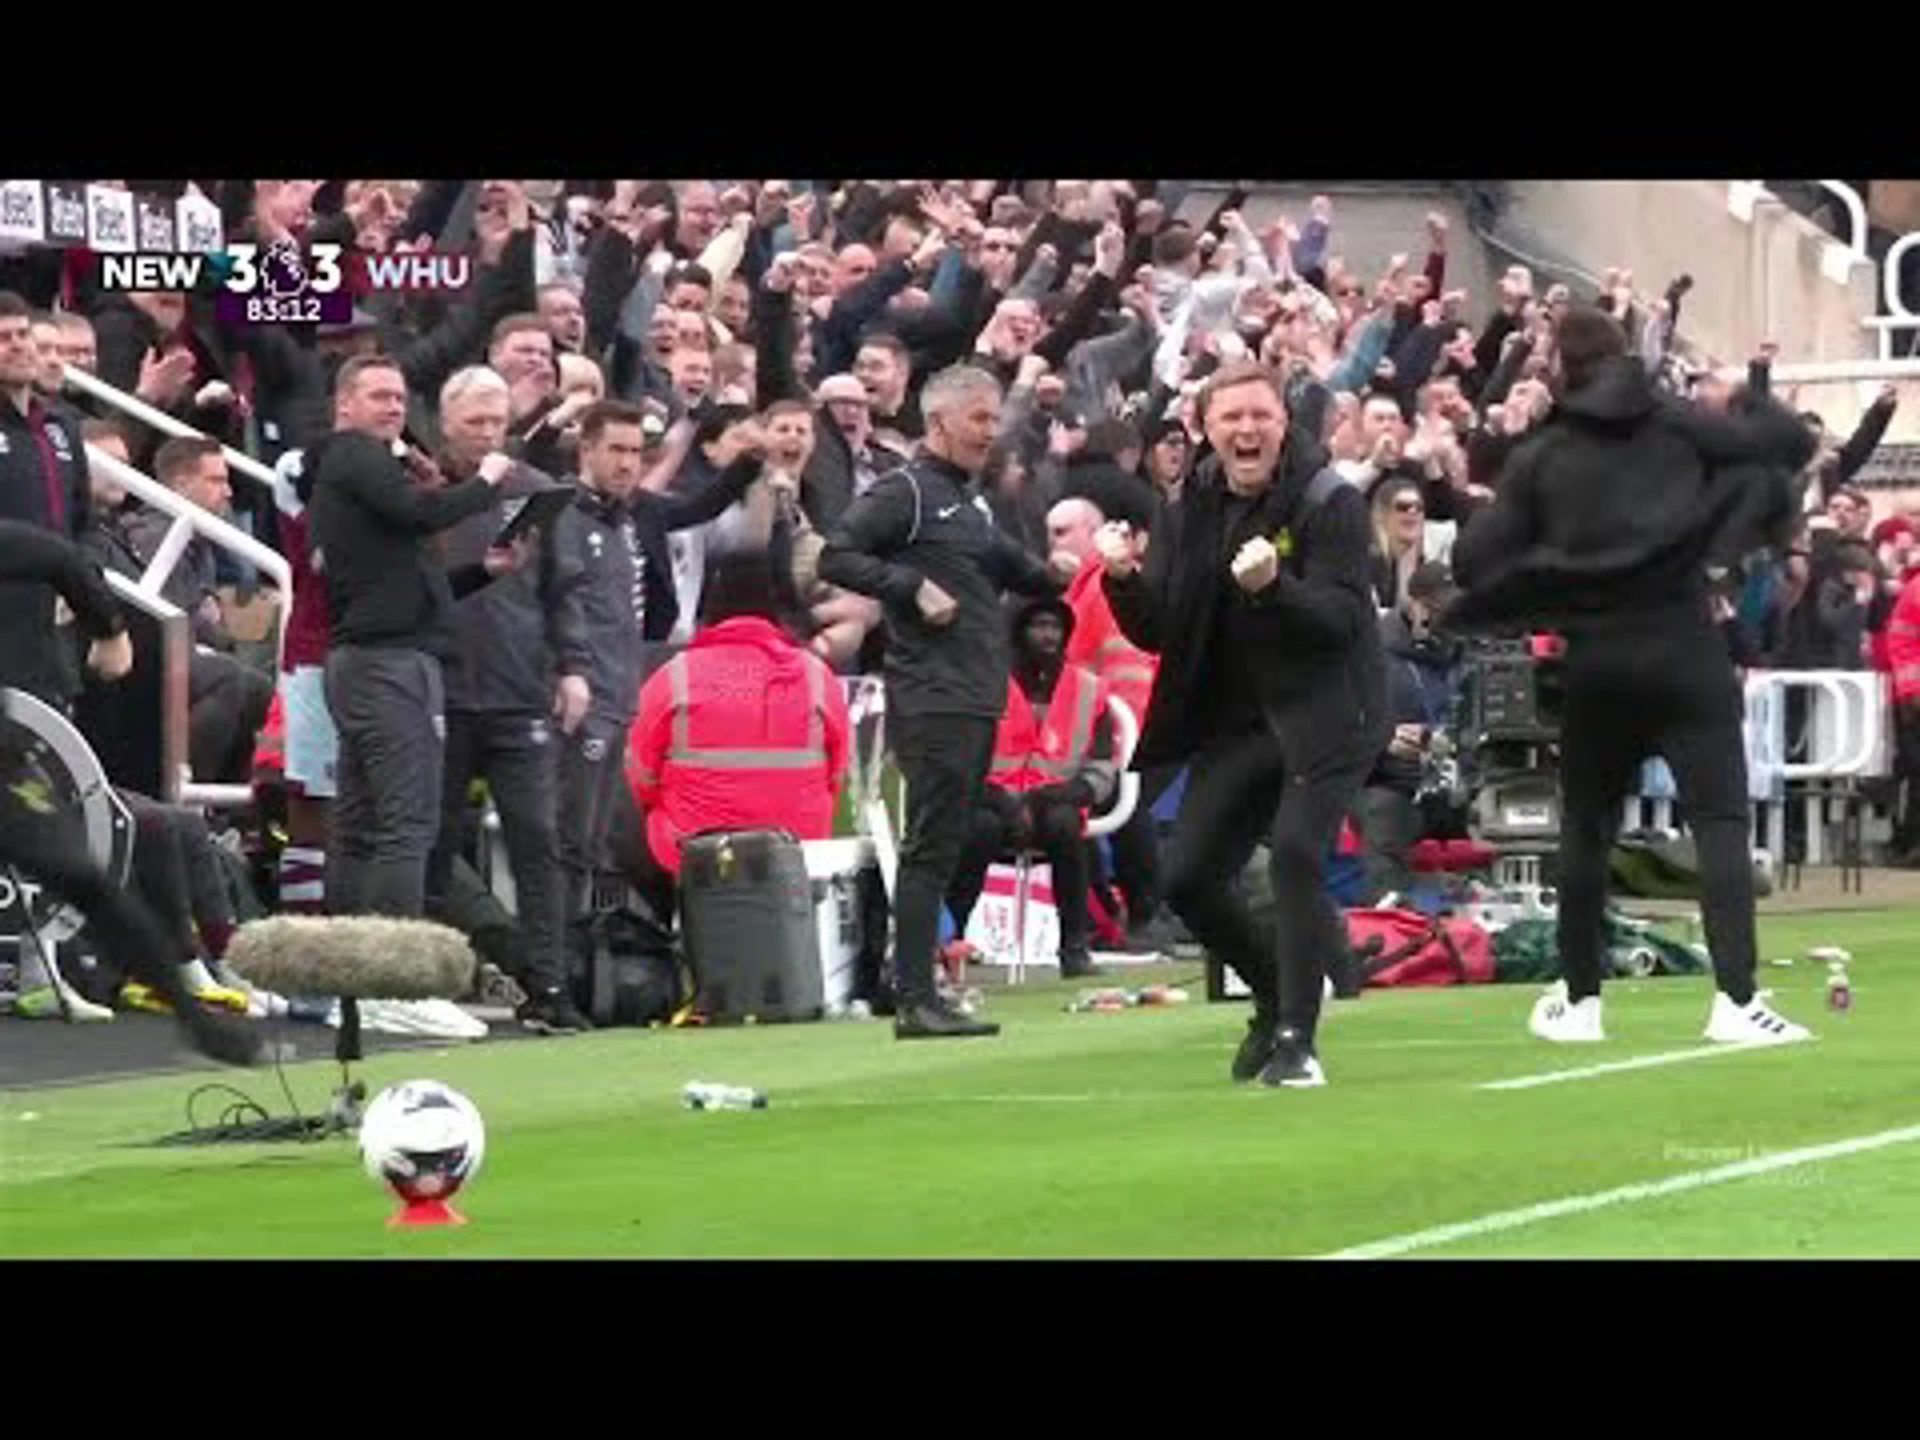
(1070, 1135)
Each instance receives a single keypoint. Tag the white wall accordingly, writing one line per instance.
(1752, 281)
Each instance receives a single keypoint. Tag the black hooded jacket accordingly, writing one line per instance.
(1609, 515)
(1301, 658)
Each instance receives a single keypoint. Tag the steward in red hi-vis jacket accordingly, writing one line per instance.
(1903, 660)
(743, 730)
(1123, 667)
(1053, 760)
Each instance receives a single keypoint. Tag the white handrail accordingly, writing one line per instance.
(237, 461)
(1816, 372)
(1829, 687)
(1856, 212)
(1890, 298)
(1126, 740)
(188, 520)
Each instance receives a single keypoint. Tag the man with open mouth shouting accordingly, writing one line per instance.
(1254, 593)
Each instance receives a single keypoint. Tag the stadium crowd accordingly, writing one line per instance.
(732, 376)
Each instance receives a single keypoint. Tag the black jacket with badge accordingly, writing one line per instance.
(924, 522)
(513, 639)
(371, 528)
(1609, 515)
(1301, 657)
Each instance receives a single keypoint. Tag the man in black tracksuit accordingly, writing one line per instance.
(390, 603)
(616, 534)
(1603, 527)
(515, 681)
(921, 542)
(1255, 596)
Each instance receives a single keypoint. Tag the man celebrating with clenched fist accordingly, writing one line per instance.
(1253, 590)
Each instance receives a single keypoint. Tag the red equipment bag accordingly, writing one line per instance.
(1398, 947)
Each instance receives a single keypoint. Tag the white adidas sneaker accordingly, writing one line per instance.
(1757, 1023)
(1555, 1018)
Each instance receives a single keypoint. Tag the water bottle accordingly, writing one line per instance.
(1839, 991)
(702, 1095)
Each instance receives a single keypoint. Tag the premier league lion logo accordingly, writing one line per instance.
(285, 275)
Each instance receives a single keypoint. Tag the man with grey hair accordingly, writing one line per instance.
(922, 541)
(516, 671)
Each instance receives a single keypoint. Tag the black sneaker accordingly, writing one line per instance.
(1294, 1065)
(1077, 964)
(929, 1022)
(1158, 936)
(1263, 1033)
(552, 1013)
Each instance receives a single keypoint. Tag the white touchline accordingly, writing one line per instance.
(1639, 1062)
(1625, 1195)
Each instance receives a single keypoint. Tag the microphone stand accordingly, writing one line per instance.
(349, 1101)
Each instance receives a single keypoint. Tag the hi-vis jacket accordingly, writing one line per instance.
(743, 730)
(1903, 644)
(1096, 641)
(1029, 754)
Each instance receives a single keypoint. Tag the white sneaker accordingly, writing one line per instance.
(261, 1004)
(427, 1019)
(1554, 1018)
(1755, 1024)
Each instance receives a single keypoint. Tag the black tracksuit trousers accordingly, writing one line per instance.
(944, 760)
(516, 754)
(1242, 790)
(1666, 687)
(1056, 831)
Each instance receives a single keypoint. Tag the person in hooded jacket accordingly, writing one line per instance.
(1254, 594)
(1053, 761)
(744, 687)
(1605, 522)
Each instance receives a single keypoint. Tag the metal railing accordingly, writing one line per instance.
(1839, 258)
(237, 461)
(190, 520)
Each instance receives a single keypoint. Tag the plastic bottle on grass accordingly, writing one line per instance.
(702, 1095)
(1839, 988)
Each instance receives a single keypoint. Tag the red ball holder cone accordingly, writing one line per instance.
(420, 1213)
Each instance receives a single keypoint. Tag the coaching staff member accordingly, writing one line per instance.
(1254, 593)
(923, 543)
(1602, 528)
(390, 605)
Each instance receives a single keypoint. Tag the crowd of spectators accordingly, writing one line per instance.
(763, 346)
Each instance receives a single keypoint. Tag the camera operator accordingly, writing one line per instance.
(1409, 798)
(390, 603)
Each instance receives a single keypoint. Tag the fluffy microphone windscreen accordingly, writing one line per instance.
(368, 957)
